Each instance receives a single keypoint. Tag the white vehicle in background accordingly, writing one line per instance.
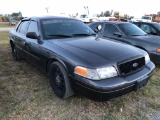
(84, 18)
(142, 19)
(147, 18)
(110, 18)
(12, 22)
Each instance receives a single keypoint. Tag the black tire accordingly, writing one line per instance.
(59, 80)
(16, 55)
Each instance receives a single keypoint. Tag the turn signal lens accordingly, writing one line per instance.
(158, 50)
(81, 71)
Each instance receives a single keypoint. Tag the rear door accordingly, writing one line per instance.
(19, 38)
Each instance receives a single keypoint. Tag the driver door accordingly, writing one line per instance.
(111, 31)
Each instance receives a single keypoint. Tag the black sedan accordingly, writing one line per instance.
(152, 28)
(78, 60)
(131, 34)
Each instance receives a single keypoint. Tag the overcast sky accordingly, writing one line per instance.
(29, 8)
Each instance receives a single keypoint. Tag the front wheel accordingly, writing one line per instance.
(59, 80)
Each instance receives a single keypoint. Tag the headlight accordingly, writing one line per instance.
(96, 74)
(147, 58)
(107, 72)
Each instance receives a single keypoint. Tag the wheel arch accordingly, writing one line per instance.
(11, 43)
(51, 60)
(141, 48)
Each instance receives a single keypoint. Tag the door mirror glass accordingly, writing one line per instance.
(99, 27)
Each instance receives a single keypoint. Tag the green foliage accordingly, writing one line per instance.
(15, 14)
(4, 18)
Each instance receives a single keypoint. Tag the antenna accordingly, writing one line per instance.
(47, 9)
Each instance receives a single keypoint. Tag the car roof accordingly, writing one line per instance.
(113, 22)
(49, 17)
(147, 22)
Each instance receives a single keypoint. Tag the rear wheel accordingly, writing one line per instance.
(16, 55)
(60, 82)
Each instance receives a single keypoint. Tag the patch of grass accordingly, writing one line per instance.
(25, 93)
(155, 103)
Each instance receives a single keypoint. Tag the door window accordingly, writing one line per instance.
(110, 29)
(22, 27)
(148, 29)
(33, 27)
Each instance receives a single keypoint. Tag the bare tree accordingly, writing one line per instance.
(116, 14)
(101, 14)
(107, 14)
(126, 16)
(158, 13)
(47, 9)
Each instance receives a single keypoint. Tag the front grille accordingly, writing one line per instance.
(130, 67)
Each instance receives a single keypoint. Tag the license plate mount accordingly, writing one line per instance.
(141, 83)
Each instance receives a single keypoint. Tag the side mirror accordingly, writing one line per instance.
(99, 27)
(154, 32)
(32, 35)
(96, 30)
(117, 34)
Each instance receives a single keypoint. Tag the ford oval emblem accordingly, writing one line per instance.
(135, 65)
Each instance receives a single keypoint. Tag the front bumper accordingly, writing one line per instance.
(155, 57)
(113, 87)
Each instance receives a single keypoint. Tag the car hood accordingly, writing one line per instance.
(95, 49)
(149, 38)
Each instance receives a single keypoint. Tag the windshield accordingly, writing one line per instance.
(131, 30)
(60, 28)
(157, 25)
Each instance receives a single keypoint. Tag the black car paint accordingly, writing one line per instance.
(149, 43)
(87, 51)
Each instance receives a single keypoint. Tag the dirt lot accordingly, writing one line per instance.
(25, 93)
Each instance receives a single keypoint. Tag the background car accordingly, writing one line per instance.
(131, 34)
(12, 22)
(77, 60)
(152, 28)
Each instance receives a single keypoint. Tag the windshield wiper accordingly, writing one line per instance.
(83, 34)
(59, 35)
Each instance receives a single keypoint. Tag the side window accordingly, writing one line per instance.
(19, 27)
(22, 27)
(110, 29)
(33, 27)
(148, 29)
